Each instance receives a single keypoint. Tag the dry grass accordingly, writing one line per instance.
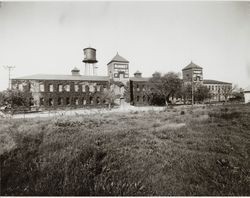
(179, 151)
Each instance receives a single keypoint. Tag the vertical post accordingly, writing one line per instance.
(192, 84)
(9, 68)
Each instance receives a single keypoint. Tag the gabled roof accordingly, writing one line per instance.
(62, 77)
(206, 81)
(192, 66)
(118, 58)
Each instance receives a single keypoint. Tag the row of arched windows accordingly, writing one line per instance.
(67, 101)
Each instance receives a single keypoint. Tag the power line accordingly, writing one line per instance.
(9, 68)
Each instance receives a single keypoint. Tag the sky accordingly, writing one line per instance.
(49, 37)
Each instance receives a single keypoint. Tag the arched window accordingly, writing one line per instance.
(50, 102)
(60, 101)
(91, 100)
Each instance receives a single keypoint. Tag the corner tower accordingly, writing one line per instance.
(118, 69)
(192, 72)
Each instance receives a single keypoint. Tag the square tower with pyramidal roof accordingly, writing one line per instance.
(118, 69)
(192, 72)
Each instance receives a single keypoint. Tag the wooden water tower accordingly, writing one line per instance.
(90, 61)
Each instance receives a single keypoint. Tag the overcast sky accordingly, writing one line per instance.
(49, 37)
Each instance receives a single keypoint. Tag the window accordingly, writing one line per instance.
(20, 87)
(50, 102)
(60, 101)
(76, 101)
(67, 88)
(143, 88)
(76, 88)
(137, 98)
(91, 100)
(41, 101)
(83, 101)
(83, 88)
(98, 100)
(144, 98)
(104, 88)
(41, 87)
(31, 102)
(67, 101)
(98, 88)
(91, 88)
(137, 88)
(60, 88)
(50, 88)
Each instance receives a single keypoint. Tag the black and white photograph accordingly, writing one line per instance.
(124, 98)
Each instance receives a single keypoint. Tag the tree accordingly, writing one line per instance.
(166, 86)
(109, 95)
(201, 93)
(185, 92)
(13, 98)
(227, 91)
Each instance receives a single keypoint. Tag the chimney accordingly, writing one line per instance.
(75, 72)
(137, 74)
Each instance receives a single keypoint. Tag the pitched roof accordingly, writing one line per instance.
(142, 79)
(118, 58)
(75, 69)
(206, 81)
(192, 66)
(63, 77)
(137, 72)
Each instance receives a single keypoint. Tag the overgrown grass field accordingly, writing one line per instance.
(184, 151)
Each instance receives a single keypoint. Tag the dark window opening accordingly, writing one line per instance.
(98, 100)
(50, 101)
(41, 101)
(60, 101)
(67, 101)
(91, 100)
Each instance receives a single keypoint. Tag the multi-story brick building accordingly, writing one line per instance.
(46, 91)
(76, 90)
(193, 73)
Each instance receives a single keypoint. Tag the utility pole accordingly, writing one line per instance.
(192, 84)
(9, 68)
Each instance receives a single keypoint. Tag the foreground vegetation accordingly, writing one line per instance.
(184, 151)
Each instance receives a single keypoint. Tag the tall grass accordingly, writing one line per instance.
(204, 151)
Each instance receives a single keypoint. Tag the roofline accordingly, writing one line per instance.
(117, 61)
(192, 68)
(216, 82)
(90, 48)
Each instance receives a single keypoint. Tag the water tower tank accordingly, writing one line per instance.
(89, 55)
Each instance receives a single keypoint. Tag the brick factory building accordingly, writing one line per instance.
(46, 91)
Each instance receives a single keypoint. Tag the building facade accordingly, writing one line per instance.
(193, 74)
(59, 91)
(45, 91)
